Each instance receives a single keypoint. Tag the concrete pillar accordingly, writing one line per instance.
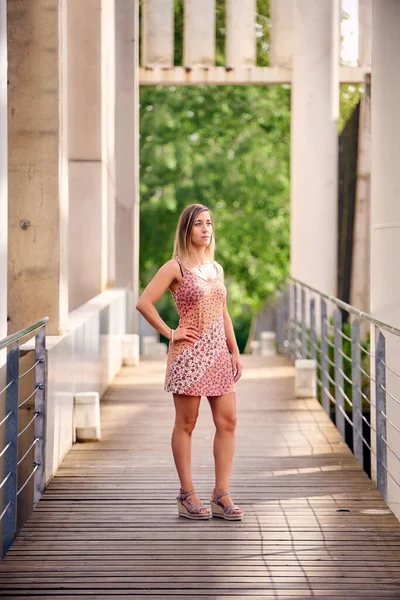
(158, 33)
(199, 33)
(127, 152)
(108, 141)
(85, 151)
(281, 32)
(365, 33)
(3, 176)
(360, 288)
(240, 33)
(314, 143)
(38, 164)
(385, 208)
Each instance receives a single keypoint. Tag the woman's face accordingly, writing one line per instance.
(202, 229)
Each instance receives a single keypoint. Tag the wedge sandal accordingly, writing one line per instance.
(229, 512)
(191, 511)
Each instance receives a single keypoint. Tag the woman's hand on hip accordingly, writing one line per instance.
(186, 332)
(236, 367)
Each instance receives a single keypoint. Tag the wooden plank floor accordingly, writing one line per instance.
(107, 525)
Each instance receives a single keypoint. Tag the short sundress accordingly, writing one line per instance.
(202, 368)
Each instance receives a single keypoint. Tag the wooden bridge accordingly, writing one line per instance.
(107, 525)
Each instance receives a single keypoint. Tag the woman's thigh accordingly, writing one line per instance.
(223, 409)
(186, 408)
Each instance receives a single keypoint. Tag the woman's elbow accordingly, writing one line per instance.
(139, 305)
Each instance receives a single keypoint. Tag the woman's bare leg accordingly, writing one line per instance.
(224, 414)
(186, 413)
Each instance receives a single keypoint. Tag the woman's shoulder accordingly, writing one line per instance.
(172, 266)
(219, 268)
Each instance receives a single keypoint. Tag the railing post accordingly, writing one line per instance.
(324, 354)
(339, 409)
(303, 324)
(295, 332)
(356, 392)
(11, 453)
(40, 404)
(381, 439)
(313, 333)
(285, 319)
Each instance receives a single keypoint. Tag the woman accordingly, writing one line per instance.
(199, 362)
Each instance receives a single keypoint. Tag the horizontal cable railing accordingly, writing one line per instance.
(11, 391)
(349, 349)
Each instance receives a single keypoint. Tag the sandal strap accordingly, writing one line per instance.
(183, 494)
(218, 496)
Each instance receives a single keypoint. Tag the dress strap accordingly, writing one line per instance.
(180, 266)
(216, 268)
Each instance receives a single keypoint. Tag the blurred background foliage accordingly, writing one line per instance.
(227, 147)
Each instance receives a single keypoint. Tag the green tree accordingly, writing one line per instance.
(226, 147)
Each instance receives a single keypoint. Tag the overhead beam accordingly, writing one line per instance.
(239, 76)
(240, 33)
(158, 33)
(199, 33)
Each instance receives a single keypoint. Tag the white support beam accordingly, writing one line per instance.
(281, 32)
(365, 33)
(3, 176)
(158, 33)
(240, 76)
(199, 33)
(240, 33)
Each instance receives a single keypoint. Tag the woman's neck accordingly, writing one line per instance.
(198, 257)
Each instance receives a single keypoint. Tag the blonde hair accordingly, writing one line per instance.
(183, 237)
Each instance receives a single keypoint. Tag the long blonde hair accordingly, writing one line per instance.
(183, 237)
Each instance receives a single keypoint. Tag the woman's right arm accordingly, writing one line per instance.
(153, 292)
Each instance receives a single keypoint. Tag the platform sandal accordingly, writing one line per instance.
(225, 512)
(191, 511)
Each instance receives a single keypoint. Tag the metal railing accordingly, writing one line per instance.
(8, 516)
(349, 348)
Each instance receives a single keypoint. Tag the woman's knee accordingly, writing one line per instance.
(186, 423)
(226, 423)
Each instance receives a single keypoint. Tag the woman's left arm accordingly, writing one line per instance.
(232, 345)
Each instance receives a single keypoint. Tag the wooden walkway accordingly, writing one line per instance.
(107, 525)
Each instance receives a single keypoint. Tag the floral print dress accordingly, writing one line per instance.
(202, 368)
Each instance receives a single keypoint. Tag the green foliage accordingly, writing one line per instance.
(350, 95)
(226, 147)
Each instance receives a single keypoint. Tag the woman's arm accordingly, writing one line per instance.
(158, 285)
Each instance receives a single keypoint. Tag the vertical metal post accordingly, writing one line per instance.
(324, 354)
(304, 353)
(295, 332)
(40, 406)
(286, 317)
(340, 408)
(11, 454)
(380, 379)
(313, 333)
(356, 391)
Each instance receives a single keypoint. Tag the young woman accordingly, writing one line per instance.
(199, 362)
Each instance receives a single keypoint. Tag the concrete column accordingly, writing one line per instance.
(3, 176)
(240, 33)
(158, 33)
(360, 289)
(365, 33)
(314, 143)
(38, 164)
(108, 141)
(281, 32)
(199, 33)
(385, 207)
(85, 151)
(127, 152)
